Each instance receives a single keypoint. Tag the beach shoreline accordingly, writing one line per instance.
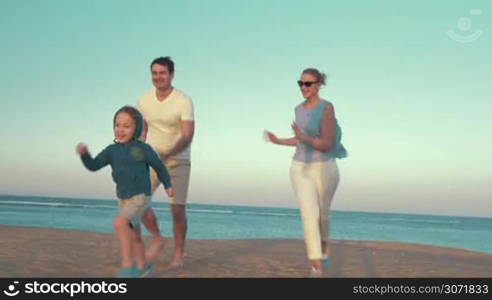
(45, 252)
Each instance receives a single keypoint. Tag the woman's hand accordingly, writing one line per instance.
(298, 133)
(269, 136)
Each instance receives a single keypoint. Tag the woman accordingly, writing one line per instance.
(314, 173)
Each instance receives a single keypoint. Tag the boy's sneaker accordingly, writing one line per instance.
(126, 273)
(145, 271)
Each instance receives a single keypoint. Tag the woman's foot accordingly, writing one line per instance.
(316, 272)
(316, 268)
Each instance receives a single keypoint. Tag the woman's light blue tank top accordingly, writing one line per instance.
(309, 122)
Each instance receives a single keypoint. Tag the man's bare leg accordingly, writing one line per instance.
(180, 227)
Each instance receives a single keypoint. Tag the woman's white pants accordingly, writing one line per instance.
(314, 185)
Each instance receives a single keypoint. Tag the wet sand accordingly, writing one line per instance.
(41, 252)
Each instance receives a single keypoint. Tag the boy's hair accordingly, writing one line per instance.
(136, 117)
(164, 61)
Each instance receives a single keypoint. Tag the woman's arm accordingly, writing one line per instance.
(285, 142)
(324, 142)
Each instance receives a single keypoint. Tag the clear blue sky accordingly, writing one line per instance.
(415, 105)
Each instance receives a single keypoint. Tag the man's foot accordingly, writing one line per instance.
(156, 246)
(176, 264)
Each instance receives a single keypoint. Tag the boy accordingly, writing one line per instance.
(129, 159)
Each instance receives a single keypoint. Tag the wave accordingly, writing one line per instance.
(423, 221)
(56, 204)
(193, 210)
(162, 209)
(268, 214)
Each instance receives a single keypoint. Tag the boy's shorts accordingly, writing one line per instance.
(133, 208)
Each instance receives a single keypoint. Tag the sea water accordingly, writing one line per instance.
(251, 222)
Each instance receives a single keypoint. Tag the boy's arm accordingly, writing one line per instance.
(156, 164)
(94, 164)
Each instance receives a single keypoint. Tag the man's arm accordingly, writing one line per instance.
(145, 129)
(187, 132)
(161, 171)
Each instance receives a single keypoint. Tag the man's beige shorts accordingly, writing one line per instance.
(133, 208)
(179, 170)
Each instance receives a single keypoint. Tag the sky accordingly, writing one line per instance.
(410, 83)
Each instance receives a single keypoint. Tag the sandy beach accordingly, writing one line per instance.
(41, 252)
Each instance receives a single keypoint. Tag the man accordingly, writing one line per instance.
(168, 127)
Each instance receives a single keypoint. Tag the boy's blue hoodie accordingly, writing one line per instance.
(130, 164)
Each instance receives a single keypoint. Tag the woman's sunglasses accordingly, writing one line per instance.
(305, 83)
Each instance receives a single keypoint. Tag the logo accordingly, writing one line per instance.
(11, 290)
(137, 153)
(464, 25)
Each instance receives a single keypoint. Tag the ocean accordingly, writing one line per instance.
(251, 222)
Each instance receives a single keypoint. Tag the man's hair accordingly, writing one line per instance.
(164, 61)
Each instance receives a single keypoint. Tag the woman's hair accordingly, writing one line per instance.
(320, 77)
